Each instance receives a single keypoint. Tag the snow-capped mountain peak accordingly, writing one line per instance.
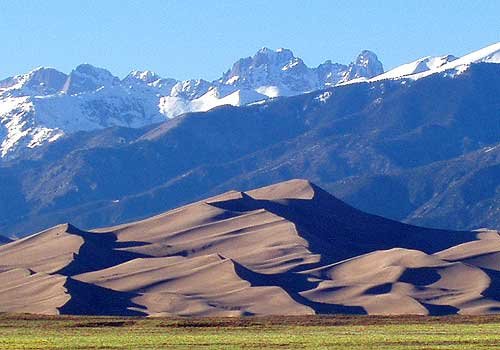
(448, 64)
(145, 76)
(86, 78)
(148, 82)
(366, 65)
(367, 59)
(280, 72)
(39, 81)
(190, 89)
(263, 68)
(268, 56)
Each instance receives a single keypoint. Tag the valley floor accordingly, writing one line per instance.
(311, 332)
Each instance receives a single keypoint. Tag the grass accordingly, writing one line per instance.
(340, 332)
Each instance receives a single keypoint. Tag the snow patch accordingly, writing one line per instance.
(324, 96)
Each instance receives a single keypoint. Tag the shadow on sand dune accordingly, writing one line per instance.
(294, 283)
(99, 251)
(89, 299)
(338, 231)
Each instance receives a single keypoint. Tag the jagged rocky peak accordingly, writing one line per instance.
(366, 65)
(265, 56)
(264, 64)
(47, 80)
(328, 64)
(268, 56)
(96, 73)
(282, 69)
(330, 73)
(191, 89)
(86, 78)
(145, 76)
(40, 81)
(149, 79)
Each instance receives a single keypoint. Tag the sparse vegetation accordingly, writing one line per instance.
(339, 332)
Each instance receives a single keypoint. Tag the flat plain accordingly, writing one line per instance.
(299, 332)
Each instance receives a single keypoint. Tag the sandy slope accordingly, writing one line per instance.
(290, 248)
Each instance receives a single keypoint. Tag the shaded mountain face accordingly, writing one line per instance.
(285, 249)
(430, 145)
(463, 191)
(43, 105)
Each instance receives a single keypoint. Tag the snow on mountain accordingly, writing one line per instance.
(18, 126)
(421, 65)
(171, 105)
(44, 104)
(190, 89)
(37, 108)
(489, 54)
(40, 81)
(267, 74)
(148, 80)
(277, 73)
(145, 76)
(449, 65)
(87, 78)
(366, 65)
(271, 68)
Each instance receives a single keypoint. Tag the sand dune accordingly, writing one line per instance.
(22, 290)
(204, 285)
(47, 251)
(289, 249)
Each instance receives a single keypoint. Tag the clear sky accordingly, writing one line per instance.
(201, 39)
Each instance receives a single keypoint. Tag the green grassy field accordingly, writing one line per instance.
(341, 332)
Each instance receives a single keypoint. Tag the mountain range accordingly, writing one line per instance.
(419, 144)
(43, 105)
(286, 249)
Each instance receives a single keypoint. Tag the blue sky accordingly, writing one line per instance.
(191, 39)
